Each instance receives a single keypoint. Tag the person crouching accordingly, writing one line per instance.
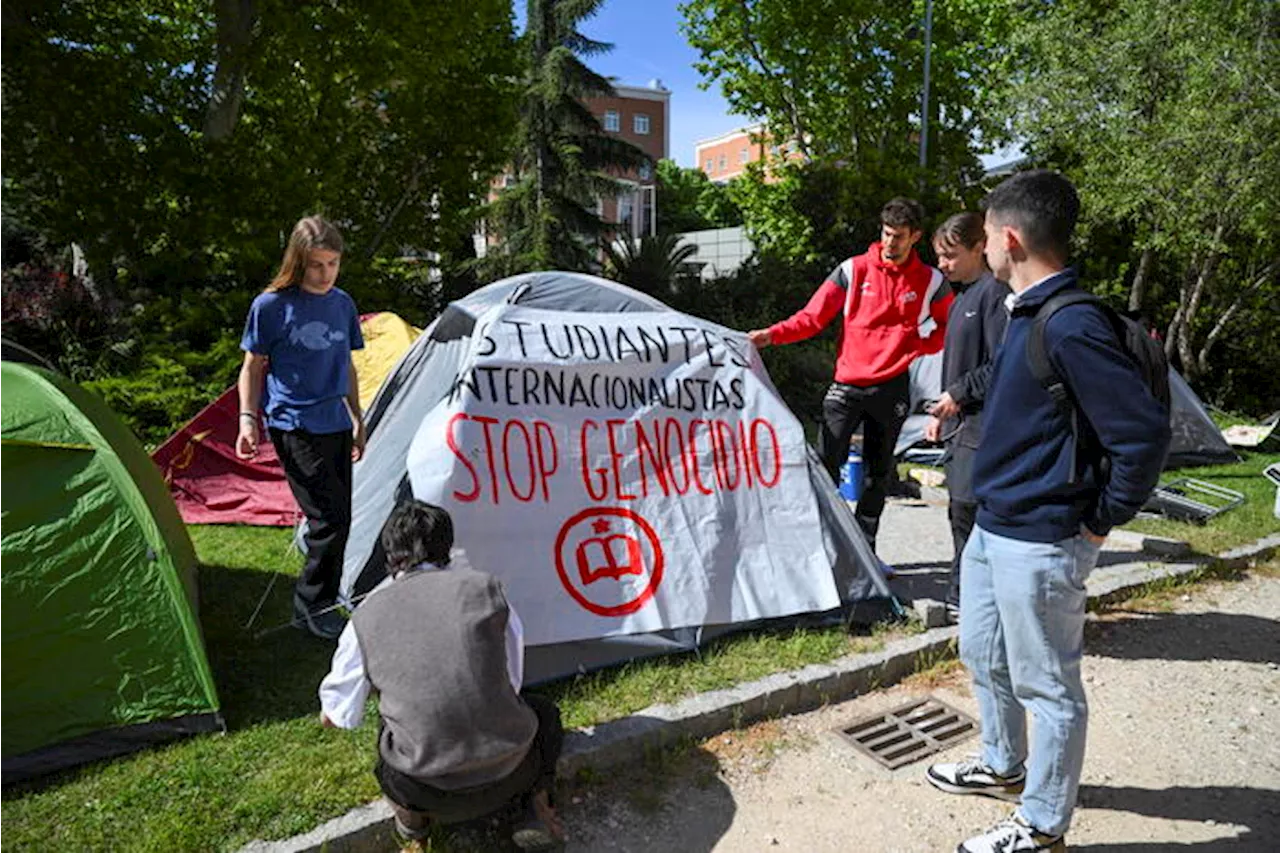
(445, 652)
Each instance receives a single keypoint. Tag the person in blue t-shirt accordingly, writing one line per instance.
(299, 336)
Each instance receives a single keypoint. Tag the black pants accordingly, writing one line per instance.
(962, 515)
(416, 803)
(881, 410)
(318, 468)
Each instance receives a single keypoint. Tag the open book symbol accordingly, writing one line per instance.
(613, 556)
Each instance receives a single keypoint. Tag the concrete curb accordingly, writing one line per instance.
(368, 828)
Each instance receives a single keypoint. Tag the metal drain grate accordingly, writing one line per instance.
(908, 733)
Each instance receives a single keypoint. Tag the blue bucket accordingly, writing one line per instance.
(851, 478)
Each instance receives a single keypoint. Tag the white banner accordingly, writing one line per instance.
(624, 473)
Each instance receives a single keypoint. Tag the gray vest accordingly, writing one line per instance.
(434, 646)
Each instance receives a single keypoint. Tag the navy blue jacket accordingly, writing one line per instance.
(1022, 469)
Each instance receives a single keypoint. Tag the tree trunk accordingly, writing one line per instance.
(1175, 325)
(236, 19)
(784, 87)
(1202, 361)
(1186, 355)
(1138, 290)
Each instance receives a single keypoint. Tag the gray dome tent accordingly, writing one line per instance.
(423, 379)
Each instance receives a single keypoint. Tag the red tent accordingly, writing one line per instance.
(211, 485)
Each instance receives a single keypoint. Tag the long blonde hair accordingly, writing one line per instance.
(311, 232)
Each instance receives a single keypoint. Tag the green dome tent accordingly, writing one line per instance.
(102, 649)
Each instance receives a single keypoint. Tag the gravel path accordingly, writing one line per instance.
(1184, 752)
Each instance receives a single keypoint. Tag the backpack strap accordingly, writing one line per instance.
(1042, 368)
(1038, 351)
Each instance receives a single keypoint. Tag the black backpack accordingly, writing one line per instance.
(1146, 353)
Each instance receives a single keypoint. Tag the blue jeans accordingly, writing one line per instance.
(1022, 636)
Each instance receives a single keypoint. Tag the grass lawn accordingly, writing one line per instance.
(276, 772)
(1239, 526)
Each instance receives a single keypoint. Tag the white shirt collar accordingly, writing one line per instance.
(1013, 299)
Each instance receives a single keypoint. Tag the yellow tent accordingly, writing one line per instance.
(386, 338)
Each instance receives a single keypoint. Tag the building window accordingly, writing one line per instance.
(710, 166)
(626, 212)
(612, 121)
(646, 171)
(724, 162)
(640, 122)
(743, 155)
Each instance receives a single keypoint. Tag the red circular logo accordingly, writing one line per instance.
(610, 560)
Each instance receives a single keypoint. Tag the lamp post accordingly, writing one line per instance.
(924, 99)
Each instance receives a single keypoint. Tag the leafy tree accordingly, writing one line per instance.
(651, 265)
(688, 200)
(175, 140)
(1166, 113)
(822, 212)
(843, 79)
(563, 160)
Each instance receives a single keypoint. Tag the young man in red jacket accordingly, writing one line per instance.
(894, 308)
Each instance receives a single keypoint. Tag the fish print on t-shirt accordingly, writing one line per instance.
(316, 335)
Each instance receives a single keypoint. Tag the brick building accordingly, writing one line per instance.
(642, 116)
(723, 158)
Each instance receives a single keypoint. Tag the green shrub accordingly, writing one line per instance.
(165, 392)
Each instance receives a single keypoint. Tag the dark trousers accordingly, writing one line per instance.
(881, 410)
(417, 804)
(318, 468)
(962, 515)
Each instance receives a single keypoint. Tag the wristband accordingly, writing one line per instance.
(249, 415)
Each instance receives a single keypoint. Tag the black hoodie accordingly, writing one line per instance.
(975, 329)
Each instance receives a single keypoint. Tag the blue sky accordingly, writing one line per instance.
(647, 44)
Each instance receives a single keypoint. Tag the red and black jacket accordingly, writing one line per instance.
(892, 314)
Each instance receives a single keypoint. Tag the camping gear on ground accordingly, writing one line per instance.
(1263, 438)
(1272, 473)
(1196, 501)
(1196, 438)
(102, 648)
(630, 474)
(851, 477)
(211, 485)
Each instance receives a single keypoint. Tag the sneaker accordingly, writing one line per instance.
(325, 624)
(540, 829)
(974, 777)
(1013, 835)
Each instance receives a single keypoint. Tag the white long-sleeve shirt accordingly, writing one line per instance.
(345, 690)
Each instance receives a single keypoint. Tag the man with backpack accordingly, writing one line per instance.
(1074, 440)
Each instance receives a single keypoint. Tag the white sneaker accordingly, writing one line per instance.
(1013, 835)
(974, 777)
